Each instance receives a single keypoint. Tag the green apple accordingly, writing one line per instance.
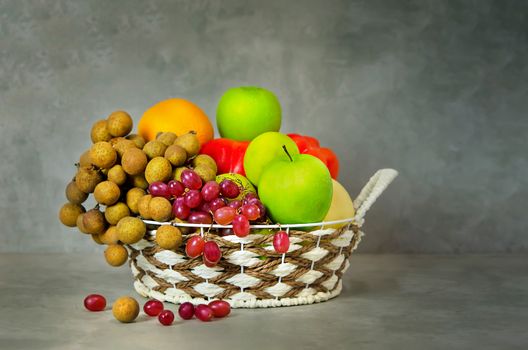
(297, 190)
(264, 149)
(243, 113)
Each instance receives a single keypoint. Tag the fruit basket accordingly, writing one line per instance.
(251, 273)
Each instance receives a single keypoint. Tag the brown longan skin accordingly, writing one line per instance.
(168, 237)
(99, 132)
(132, 198)
(131, 230)
(205, 160)
(110, 236)
(138, 181)
(167, 138)
(103, 155)
(80, 225)
(205, 173)
(97, 239)
(87, 178)
(116, 212)
(107, 193)
(143, 206)
(137, 139)
(117, 175)
(134, 161)
(160, 209)
(189, 142)
(84, 159)
(69, 213)
(94, 222)
(116, 255)
(176, 155)
(74, 194)
(121, 145)
(125, 309)
(154, 149)
(119, 123)
(158, 169)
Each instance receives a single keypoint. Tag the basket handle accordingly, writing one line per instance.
(372, 190)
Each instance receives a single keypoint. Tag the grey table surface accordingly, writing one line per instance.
(388, 302)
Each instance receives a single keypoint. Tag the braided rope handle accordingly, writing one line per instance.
(372, 190)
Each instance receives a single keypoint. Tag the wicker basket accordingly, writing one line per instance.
(251, 274)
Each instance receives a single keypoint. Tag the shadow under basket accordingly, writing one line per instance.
(251, 274)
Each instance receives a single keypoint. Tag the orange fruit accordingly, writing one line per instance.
(178, 116)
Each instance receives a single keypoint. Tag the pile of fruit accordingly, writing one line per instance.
(173, 170)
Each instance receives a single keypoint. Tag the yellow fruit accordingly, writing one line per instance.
(125, 309)
(143, 207)
(168, 237)
(80, 224)
(117, 175)
(167, 138)
(116, 212)
(205, 160)
(93, 222)
(241, 181)
(176, 155)
(132, 198)
(154, 149)
(176, 175)
(160, 209)
(116, 255)
(74, 194)
(106, 193)
(342, 206)
(97, 239)
(84, 160)
(189, 142)
(119, 123)
(69, 213)
(87, 178)
(99, 132)
(138, 140)
(158, 169)
(131, 230)
(134, 161)
(205, 172)
(121, 145)
(103, 155)
(110, 236)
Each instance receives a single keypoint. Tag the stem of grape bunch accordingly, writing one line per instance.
(288, 153)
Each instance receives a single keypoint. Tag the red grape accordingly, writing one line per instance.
(191, 180)
(249, 197)
(194, 246)
(153, 307)
(241, 225)
(226, 231)
(216, 203)
(281, 242)
(166, 317)
(211, 253)
(220, 308)
(186, 311)
(210, 191)
(224, 215)
(235, 204)
(251, 211)
(262, 210)
(204, 207)
(229, 189)
(95, 302)
(159, 189)
(199, 217)
(193, 198)
(176, 188)
(203, 313)
(180, 210)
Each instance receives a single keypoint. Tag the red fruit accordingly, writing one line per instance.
(241, 226)
(216, 204)
(166, 317)
(220, 308)
(250, 211)
(199, 217)
(194, 246)
(153, 307)
(211, 254)
(186, 311)
(191, 180)
(281, 242)
(224, 215)
(203, 313)
(95, 302)
(176, 188)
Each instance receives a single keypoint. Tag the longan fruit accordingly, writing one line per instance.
(80, 224)
(103, 155)
(94, 222)
(87, 178)
(121, 145)
(143, 206)
(189, 142)
(117, 175)
(99, 132)
(154, 149)
(132, 198)
(184, 230)
(160, 209)
(158, 169)
(69, 212)
(84, 159)
(131, 230)
(167, 138)
(107, 193)
(137, 139)
(116, 212)
(74, 194)
(204, 160)
(125, 309)
(119, 123)
(97, 239)
(110, 236)
(168, 237)
(138, 181)
(176, 155)
(134, 161)
(176, 175)
(116, 255)
(205, 173)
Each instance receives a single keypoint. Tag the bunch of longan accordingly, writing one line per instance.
(118, 169)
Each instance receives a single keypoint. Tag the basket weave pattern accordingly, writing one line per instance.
(250, 273)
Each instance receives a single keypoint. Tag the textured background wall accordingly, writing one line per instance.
(435, 89)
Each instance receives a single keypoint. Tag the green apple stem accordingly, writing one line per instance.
(288, 153)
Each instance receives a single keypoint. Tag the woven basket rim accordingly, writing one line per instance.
(258, 226)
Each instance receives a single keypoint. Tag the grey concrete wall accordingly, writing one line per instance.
(435, 89)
